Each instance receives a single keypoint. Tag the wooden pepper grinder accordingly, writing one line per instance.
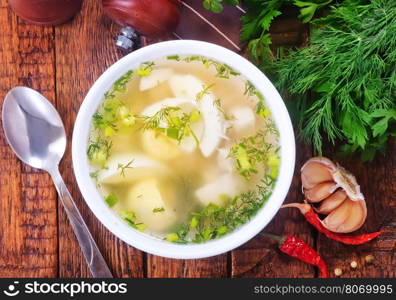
(46, 12)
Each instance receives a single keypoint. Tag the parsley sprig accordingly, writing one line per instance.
(257, 21)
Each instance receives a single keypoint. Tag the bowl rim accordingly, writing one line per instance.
(152, 244)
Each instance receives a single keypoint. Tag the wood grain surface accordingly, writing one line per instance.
(63, 62)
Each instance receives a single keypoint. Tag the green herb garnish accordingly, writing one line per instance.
(145, 69)
(130, 217)
(119, 85)
(257, 20)
(223, 70)
(173, 57)
(122, 167)
(111, 200)
(342, 86)
(158, 209)
(254, 151)
(217, 104)
(99, 151)
(205, 91)
(177, 123)
(214, 221)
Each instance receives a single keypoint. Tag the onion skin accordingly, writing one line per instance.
(152, 18)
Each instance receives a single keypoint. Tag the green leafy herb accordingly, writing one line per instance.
(216, 5)
(122, 167)
(99, 151)
(145, 69)
(308, 8)
(158, 209)
(217, 104)
(173, 57)
(173, 122)
(253, 151)
(257, 21)
(214, 221)
(223, 70)
(94, 175)
(343, 84)
(111, 200)
(205, 91)
(130, 217)
(119, 85)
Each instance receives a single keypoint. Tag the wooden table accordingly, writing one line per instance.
(36, 239)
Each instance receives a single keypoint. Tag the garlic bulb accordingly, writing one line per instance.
(335, 193)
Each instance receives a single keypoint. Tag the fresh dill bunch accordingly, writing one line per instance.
(342, 86)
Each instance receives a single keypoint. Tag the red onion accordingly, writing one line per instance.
(152, 18)
(46, 12)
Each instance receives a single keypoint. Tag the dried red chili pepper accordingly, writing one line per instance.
(297, 248)
(315, 221)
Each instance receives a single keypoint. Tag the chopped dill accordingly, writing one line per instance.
(119, 85)
(205, 91)
(122, 167)
(252, 151)
(145, 69)
(158, 209)
(223, 70)
(173, 57)
(214, 221)
(217, 104)
(99, 150)
(176, 123)
(130, 217)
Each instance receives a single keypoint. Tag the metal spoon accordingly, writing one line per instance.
(35, 132)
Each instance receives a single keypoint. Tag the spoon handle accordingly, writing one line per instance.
(94, 258)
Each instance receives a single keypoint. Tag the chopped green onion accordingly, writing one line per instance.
(173, 133)
(99, 157)
(111, 200)
(109, 131)
(145, 69)
(264, 113)
(128, 121)
(194, 222)
(195, 115)
(273, 160)
(222, 230)
(141, 227)
(172, 237)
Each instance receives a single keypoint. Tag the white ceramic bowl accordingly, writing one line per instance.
(146, 242)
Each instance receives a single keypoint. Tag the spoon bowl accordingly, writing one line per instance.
(33, 128)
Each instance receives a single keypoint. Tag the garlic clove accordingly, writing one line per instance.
(348, 217)
(338, 216)
(320, 191)
(332, 202)
(316, 170)
(356, 218)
